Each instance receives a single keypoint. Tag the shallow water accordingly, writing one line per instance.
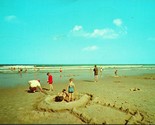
(10, 78)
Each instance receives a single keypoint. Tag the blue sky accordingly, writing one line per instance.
(77, 31)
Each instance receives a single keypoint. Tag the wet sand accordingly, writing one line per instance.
(114, 100)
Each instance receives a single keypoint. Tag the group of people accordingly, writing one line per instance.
(66, 94)
(101, 69)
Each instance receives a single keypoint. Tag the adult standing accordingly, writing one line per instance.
(116, 73)
(95, 73)
(50, 81)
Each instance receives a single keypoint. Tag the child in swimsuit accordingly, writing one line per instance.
(71, 89)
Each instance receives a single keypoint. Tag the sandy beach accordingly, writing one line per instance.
(114, 100)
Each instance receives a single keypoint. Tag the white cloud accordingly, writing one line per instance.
(117, 22)
(77, 28)
(10, 18)
(90, 48)
(97, 33)
(104, 33)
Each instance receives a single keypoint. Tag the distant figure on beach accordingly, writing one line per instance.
(20, 72)
(95, 73)
(71, 89)
(101, 69)
(50, 81)
(25, 70)
(33, 85)
(116, 73)
(60, 72)
(62, 96)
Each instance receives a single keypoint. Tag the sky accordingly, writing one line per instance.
(77, 32)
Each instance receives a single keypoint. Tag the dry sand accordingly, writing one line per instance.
(121, 100)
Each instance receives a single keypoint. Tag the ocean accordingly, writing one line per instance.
(11, 77)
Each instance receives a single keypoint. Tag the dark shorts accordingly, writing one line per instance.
(59, 98)
(33, 88)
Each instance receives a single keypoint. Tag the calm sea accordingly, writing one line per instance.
(10, 75)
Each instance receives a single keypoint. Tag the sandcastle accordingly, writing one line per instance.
(92, 110)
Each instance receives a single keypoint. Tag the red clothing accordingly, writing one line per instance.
(50, 79)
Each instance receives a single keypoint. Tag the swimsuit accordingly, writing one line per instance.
(70, 89)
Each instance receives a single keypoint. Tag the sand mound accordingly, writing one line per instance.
(49, 104)
(135, 89)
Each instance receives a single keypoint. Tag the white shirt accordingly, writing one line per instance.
(34, 83)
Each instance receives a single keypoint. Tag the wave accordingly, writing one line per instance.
(33, 68)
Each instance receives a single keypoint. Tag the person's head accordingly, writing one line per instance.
(38, 80)
(71, 79)
(63, 90)
(95, 66)
(48, 73)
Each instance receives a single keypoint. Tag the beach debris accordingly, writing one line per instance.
(135, 89)
(108, 104)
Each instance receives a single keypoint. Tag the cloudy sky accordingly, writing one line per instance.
(77, 31)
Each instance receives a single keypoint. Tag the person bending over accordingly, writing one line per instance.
(34, 85)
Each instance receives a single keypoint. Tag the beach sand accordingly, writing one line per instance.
(114, 100)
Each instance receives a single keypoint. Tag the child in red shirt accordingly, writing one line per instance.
(50, 81)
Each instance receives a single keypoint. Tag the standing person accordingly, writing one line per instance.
(101, 69)
(20, 72)
(116, 73)
(71, 89)
(60, 72)
(95, 73)
(34, 84)
(50, 81)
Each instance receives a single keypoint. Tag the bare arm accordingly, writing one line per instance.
(40, 88)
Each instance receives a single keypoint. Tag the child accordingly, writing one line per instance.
(71, 89)
(50, 81)
(62, 96)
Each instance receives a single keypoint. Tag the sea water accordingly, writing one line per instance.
(10, 75)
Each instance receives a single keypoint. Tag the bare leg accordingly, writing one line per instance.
(51, 87)
(96, 78)
(70, 97)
